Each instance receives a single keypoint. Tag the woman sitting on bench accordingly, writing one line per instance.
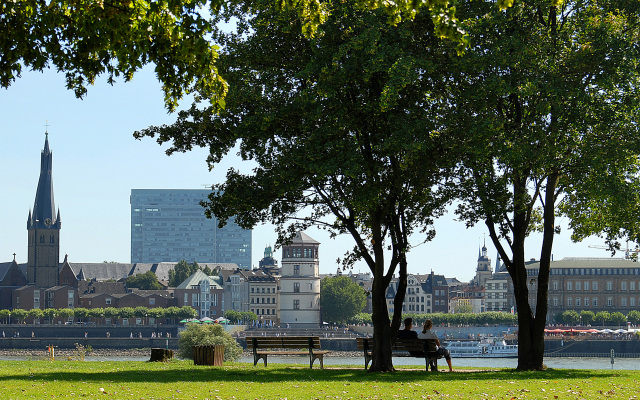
(427, 334)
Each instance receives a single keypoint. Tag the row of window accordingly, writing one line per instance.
(593, 302)
(269, 300)
(268, 290)
(263, 311)
(593, 285)
(588, 271)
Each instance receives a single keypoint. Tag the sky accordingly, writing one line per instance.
(96, 163)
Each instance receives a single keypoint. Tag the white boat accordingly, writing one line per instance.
(492, 347)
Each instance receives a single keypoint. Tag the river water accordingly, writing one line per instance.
(552, 362)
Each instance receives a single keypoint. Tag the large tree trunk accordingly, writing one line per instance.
(382, 333)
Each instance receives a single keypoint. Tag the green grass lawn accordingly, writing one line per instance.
(183, 380)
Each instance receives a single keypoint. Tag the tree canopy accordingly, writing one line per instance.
(181, 272)
(546, 104)
(335, 124)
(146, 281)
(341, 299)
(88, 38)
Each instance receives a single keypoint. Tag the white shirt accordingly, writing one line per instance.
(427, 335)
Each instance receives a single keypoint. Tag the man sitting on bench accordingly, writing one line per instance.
(427, 334)
(408, 333)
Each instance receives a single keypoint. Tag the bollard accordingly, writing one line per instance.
(613, 357)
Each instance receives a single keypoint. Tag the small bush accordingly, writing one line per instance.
(207, 335)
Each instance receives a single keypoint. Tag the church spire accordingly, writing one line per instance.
(44, 208)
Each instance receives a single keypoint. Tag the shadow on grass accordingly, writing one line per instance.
(185, 372)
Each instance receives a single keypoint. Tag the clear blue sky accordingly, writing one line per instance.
(96, 163)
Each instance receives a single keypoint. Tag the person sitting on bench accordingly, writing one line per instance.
(408, 333)
(427, 334)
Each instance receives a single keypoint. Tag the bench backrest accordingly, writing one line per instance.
(283, 342)
(400, 344)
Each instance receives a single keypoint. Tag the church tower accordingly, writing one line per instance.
(43, 226)
(483, 269)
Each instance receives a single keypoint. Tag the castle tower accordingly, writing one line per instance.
(43, 226)
(300, 283)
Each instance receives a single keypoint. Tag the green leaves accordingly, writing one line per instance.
(341, 299)
(89, 38)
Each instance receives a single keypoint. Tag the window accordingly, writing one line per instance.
(262, 290)
(152, 301)
(632, 301)
(296, 269)
(296, 287)
(594, 301)
(296, 304)
(569, 301)
(578, 286)
(623, 301)
(632, 285)
(623, 285)
(555, 302)
(252, 290)
(107, 301)
(555, 285)
(595, 286)
(569, 285)
(609, 301)
(577, 301)
(586, 286)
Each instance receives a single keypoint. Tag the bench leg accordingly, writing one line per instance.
(313, 357)
(257, 358)
(367, 360)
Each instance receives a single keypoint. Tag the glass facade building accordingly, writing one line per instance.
(169, 225)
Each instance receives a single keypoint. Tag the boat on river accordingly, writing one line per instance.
(491, 347)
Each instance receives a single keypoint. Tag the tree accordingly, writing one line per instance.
(35, 314)
(146, 281)
(86, 39)
(126, 312)
(112, 313)
(80, 313)
(181, 272)
(19, 314)
(634, 317)
(172, 313)
(50, 314)
(207, 335)
(341, 299)
(233, 316)
(335, 125)
(587, 317)
(602, 317)
(546, 105)
(65, 314)
(5, 315)
(618, 318)
(462, 308)
(570, 317)
(185, 312)
(141, 312)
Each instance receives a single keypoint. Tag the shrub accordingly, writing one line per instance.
(207, 335)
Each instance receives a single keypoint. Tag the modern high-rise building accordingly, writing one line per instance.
(170, 225)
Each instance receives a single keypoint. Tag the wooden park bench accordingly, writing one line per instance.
(426, 348)
(286, 345)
